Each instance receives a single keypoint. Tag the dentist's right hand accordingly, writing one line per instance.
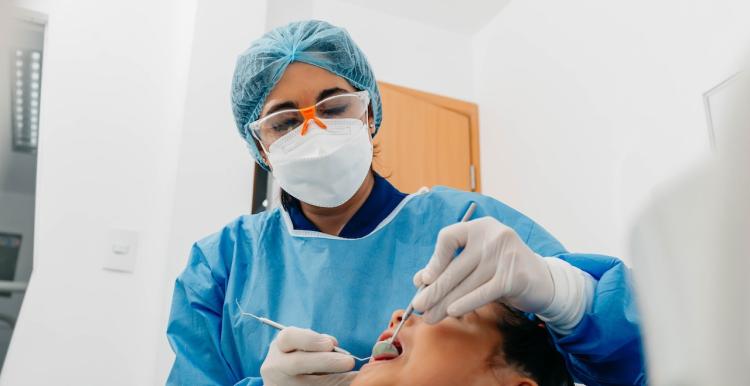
(302, 357)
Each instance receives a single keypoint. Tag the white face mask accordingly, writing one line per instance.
(325, 167)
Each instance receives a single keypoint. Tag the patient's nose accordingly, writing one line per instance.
(396, 318)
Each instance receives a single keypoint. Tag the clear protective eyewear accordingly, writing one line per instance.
(270, 128)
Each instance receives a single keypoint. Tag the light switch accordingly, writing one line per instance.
(121, 255)
(120, 249)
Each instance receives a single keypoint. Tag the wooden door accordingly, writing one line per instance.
(427, 140)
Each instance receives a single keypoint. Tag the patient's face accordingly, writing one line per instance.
(456, 351)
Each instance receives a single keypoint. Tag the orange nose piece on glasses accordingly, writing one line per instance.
(309, 114)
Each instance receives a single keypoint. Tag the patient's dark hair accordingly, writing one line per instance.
(527, 347)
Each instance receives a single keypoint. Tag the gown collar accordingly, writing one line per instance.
(382, 201)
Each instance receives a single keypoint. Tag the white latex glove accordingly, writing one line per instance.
(496, 265)
(302, 357)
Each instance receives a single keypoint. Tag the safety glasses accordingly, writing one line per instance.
(270, 128)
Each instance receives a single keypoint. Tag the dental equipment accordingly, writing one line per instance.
(280, 326)
(386, 347)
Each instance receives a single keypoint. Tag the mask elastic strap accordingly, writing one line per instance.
(308, 114)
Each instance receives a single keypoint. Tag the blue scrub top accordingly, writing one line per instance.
(275, 264)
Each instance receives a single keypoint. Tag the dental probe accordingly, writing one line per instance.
(280, 326)
(387, 345)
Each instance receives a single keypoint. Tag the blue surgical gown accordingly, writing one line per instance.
(348, 287)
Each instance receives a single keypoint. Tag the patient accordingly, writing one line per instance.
(493, 345)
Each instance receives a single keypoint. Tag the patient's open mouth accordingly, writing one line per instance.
(384, 351)
(397, 344)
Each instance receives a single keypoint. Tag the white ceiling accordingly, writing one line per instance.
(467, 16)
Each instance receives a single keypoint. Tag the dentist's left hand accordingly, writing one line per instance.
(302, 357)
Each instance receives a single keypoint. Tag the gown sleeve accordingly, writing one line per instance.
(194, 329)
(605, 348)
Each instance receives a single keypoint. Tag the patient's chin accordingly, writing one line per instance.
(376, 374)
(367, 378)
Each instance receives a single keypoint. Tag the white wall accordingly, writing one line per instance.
(282, 12)
(113, 95)
(585, 105)
(214, 178)
(406, 52)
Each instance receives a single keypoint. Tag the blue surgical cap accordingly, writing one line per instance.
(314, 42)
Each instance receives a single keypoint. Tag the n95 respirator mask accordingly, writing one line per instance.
(323, 167)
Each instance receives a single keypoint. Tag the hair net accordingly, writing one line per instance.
(315, 42)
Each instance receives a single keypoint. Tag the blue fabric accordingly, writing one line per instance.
(613, 319)
(349, 287)
(315, 42)
(383, 199)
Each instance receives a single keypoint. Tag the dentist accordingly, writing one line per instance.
(346, 245)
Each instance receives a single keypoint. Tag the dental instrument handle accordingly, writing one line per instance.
(410, 309)
(469, 212)
(280, 326)
(406, 315)
(271, 323)
(342, 351)
(266, 321)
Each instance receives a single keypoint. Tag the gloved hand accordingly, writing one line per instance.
(302, 357)
(496, 265)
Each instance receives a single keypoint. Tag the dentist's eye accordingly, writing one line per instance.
(285, 126)
(333, 112)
